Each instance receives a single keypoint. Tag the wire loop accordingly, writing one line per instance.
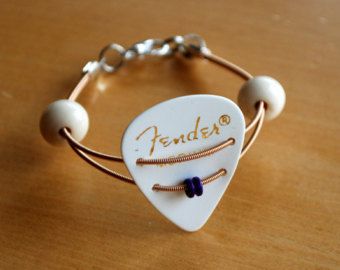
(103, 57)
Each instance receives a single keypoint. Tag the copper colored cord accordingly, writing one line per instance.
(87, 150)
(84, 151)
(226, 64)
(260, 110)
(207, 180)
(254, 135)
(172, 160)
(102, 168)
(79, 87)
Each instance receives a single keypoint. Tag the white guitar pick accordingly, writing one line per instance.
(180, 126)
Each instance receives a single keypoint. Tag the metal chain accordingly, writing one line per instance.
(186, 45)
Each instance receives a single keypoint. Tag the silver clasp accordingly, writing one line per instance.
(186, 45)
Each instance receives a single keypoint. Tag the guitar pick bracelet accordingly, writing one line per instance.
(261, 97)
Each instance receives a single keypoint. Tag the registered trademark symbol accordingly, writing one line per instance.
(224, 120)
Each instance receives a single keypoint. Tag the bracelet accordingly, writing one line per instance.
(183, 152)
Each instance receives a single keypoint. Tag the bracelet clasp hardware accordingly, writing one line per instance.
(186, 45)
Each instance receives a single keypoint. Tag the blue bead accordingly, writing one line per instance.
(189, 188)
(197, 185)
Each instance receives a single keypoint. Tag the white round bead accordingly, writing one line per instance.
(262, 88)
(60, 114)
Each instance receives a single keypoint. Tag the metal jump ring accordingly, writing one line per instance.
(189, 48)
(160, 48)
(116, 47)
(174, 42)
